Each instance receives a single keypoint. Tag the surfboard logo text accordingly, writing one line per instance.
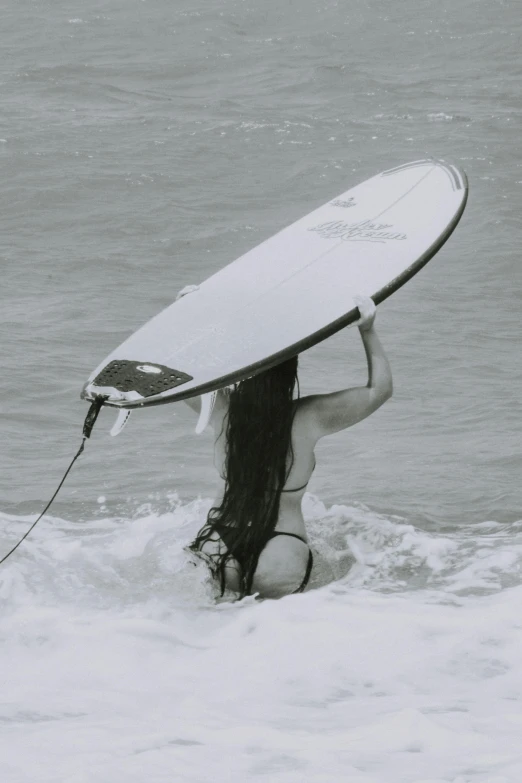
(366, 231)
(344, 203)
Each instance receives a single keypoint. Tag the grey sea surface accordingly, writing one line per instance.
(144, 144)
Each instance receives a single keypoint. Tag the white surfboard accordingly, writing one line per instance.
(290, 292)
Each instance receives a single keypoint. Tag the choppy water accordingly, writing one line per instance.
(143, 146)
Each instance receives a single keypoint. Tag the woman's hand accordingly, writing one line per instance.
(189, 289)
(367, 311)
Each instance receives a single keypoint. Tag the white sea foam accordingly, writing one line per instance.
(122, 666)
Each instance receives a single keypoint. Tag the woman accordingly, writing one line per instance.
(255, 539)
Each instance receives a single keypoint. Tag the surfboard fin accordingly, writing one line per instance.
(121, 421)
(207, 406)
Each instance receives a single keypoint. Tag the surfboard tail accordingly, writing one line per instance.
(122, 380)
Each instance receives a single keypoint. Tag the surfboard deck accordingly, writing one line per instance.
(290, 292)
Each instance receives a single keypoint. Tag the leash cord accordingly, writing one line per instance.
(88, 424)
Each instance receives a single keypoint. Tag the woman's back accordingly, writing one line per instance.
(300, 463)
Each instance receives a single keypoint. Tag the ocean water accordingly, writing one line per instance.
(144, 144)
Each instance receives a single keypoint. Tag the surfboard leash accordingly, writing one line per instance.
(88, 424)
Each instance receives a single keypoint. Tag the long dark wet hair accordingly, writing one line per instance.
(259, 457)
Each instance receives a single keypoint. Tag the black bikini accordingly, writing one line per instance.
(224, 534)
(298, 489)
(310, 563)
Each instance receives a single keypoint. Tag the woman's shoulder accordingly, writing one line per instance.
(305, 418)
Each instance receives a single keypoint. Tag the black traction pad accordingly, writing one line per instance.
(145, 378)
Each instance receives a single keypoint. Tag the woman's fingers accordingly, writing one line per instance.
(189, 289)
(367, 311)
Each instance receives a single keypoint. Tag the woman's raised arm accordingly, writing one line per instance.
(329, 413)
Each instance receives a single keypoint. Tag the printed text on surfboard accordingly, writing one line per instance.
(366, 231)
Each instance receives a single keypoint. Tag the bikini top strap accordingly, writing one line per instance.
(298, 489)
